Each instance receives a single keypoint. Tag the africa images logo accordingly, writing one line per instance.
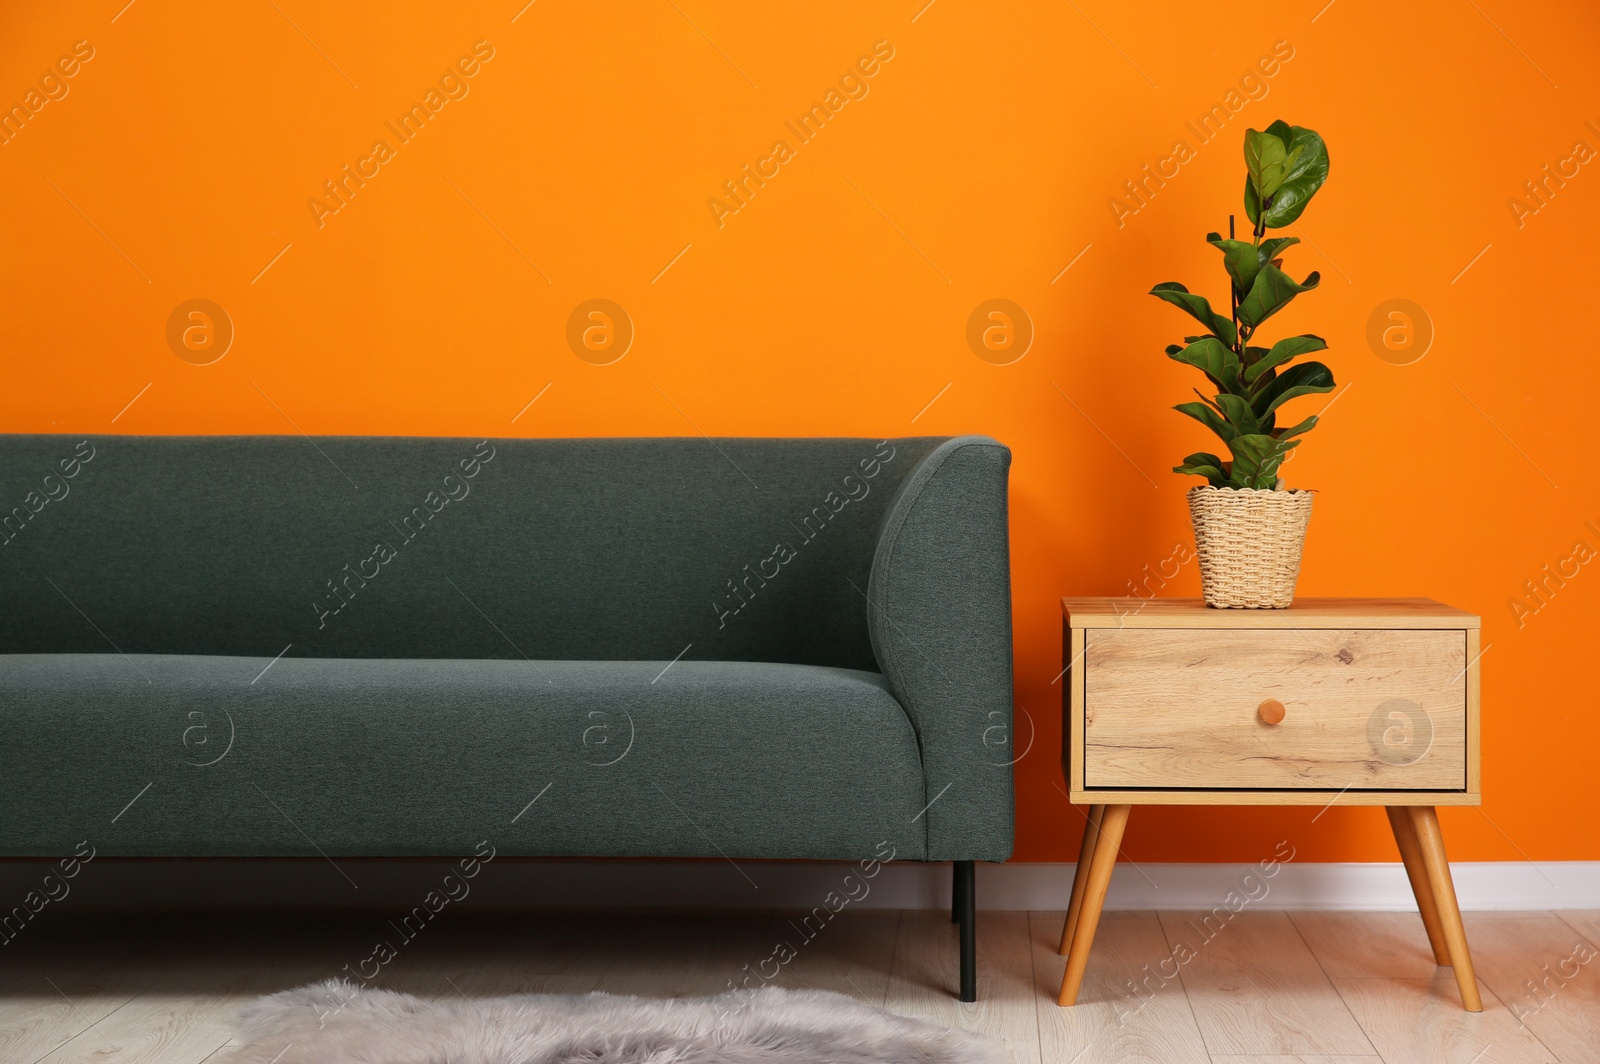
(452, 85)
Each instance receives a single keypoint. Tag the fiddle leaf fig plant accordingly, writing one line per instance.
(1285, 166)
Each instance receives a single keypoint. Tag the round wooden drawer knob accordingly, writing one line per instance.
(1272, 711)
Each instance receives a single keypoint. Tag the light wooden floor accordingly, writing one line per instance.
(1269, 988)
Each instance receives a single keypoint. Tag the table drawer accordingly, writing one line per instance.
(1375, 709)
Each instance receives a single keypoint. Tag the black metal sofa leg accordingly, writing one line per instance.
(965, 912)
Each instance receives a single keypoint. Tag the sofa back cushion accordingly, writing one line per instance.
(731, 549)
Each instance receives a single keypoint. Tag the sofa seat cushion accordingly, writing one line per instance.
(157, 755)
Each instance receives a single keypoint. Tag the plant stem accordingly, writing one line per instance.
(1259, 232)
(1233, 303)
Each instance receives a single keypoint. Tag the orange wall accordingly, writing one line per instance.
(982, 161)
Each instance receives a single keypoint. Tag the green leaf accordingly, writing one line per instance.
(1271, 292)
(1209, 418)
(1212, 357)
(1256, 460)
(1282, 130)
(1252, 355)
(1298, 430)
(1308, 378)
(1239, 414)
(1199, 308)
(1204, 464)
(1270, 248)
(1265, 157)
(1305, 170)
(1288, 348)
(1241, 259)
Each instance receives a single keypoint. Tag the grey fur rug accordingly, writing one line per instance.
(339, 1023)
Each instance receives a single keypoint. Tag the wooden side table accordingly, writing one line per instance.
(1329, 702)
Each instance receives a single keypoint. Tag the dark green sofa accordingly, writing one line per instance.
(355, 646)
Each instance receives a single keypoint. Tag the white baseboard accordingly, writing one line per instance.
(510, 883)
(1480, 886)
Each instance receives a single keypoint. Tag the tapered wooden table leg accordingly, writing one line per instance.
(1405, 837)
(1430, 841)
(1091, 831)
(1113, 821)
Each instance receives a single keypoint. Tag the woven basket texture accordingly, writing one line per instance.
(1248, 541)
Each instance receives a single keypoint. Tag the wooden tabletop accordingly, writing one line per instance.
(1134, 612)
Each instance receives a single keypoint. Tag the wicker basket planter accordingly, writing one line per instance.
(1248, 541)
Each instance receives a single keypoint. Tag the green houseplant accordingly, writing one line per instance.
(1249, 530)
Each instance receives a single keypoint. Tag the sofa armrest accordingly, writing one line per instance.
(940, 619)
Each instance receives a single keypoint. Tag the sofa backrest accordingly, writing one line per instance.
(743, 549)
